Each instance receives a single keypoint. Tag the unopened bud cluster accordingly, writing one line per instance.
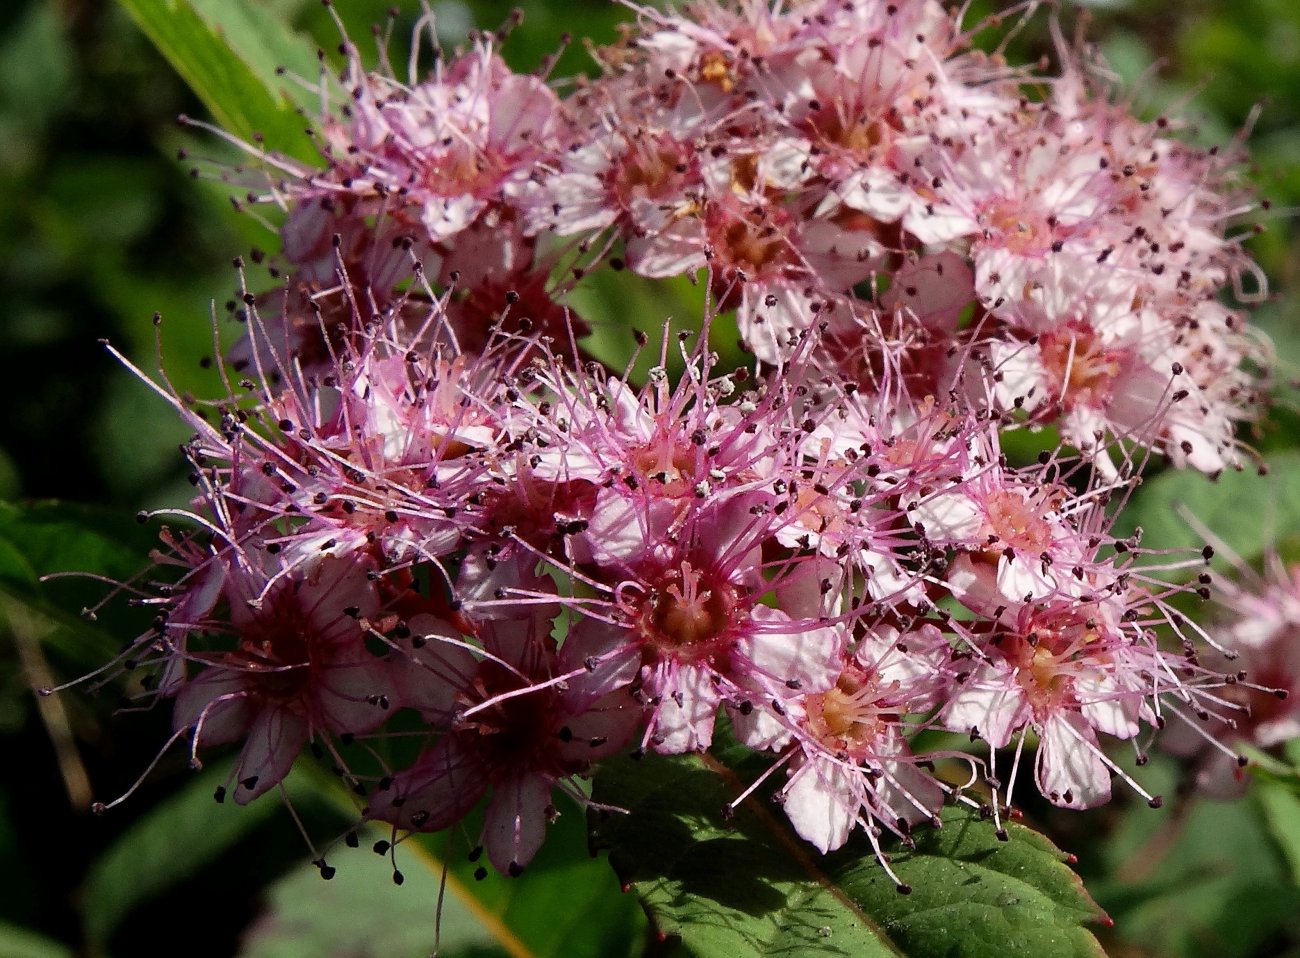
(435, 542)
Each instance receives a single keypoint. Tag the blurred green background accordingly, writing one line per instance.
(101, 225)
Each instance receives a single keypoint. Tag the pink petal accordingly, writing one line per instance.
(218, 703)
(684, 718)
(348, 697)
(611, 650)
(934, 289)
(515, 823)
(990, 701)
(781, 650)
(274, 741)
(603, 728)
(445, 782)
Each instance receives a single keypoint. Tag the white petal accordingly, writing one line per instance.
(1069, 771)
(822, 801)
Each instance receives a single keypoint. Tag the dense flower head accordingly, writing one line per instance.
(423, 516)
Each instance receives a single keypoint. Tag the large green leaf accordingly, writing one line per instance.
(361, 911)
(567, 904)
(229, 54)
(173, 841)
(1197, 879)
(42, 538)
(37, 538)
(1279, 802)
(749, 887)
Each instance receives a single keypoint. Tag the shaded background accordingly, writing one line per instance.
(100, 226)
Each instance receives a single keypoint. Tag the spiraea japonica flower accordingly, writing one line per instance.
(1256, 617)
(427, 521)
(520, 720)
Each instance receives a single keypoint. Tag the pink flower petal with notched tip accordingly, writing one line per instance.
(778, 649)
(274, 740)
(217, 705)
(991, 702)
(515, 823)
(683, 720)
(446, 781)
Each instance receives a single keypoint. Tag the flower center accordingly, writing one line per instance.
(275, 651)
(753, 246)
(714, 68)
(654, 168)
(1016, 522)
(464, 169)
(690, 617)
(1049, 658)
(1083, 370)
(847, 718)
(1016, 229)
(668, 463)
(841, 126)
(517, 732)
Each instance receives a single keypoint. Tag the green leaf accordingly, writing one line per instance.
(41, 538)
(16, 942)
(616, 303)
(1279, 800)
(750, 887)
(228, 54)
(14, 567)
(566, 907)
(1198, 878)
(1250, 513)
(567, 904)
(173, 841)
(38, 538)
(263, 39)
(361, 911)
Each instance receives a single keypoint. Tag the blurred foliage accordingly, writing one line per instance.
(100, 227)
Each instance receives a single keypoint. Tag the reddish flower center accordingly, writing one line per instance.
(667, 463)
(465, 169)
(1016, 229)
(690, 617)
(654, 168)
(1048, 659)
(516, 732)
(275, 650)
(1079, 364)
(752, 247)
(1016, 522)
(837, 124)
(715, 68)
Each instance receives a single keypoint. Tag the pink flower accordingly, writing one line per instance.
(690, 619)
(1068, 668)
(299, 668)
(851, 762)
(525, 720)
(1258, 617)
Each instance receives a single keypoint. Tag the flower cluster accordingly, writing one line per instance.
(1258, 619)
(429, 529)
